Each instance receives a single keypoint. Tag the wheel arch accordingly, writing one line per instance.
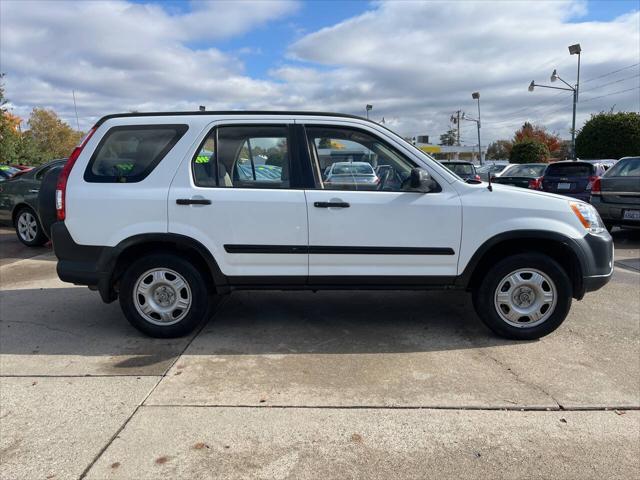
(564, 250)
(19, 206)
(116, 259)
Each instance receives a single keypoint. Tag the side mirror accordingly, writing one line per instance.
(421, 181)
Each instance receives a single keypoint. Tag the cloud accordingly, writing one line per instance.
(416, 62)
(121, 56)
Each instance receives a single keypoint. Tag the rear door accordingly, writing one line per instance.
(376, 234)
(237, 194)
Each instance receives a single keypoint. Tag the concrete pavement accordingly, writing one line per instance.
(327, 385)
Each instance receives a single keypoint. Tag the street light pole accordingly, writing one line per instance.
(573, 50)
(367, 108)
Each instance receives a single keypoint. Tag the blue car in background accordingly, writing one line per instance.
(572, 178)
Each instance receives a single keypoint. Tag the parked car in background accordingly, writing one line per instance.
(7, 171)
(607, 163)
(491, 169)
(571, 178)
(348, 174)
(616, 195)
(465, 170)
(526, 176)
(19, 204)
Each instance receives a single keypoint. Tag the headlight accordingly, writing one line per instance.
(588, 216)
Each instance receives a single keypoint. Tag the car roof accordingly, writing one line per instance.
(456, 162)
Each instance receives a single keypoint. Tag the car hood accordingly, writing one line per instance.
(511, 193)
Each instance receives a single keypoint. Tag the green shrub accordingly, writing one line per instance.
(609, 135)
(529, 151)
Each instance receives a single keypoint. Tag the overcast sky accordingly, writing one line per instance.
(416, 62)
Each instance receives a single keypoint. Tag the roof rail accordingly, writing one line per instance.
(225, 112)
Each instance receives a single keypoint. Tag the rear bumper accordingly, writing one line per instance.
(612, 213)
(80, 264)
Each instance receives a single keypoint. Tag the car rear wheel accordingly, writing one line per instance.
(28, 228)
(524, 297)
(164, 295)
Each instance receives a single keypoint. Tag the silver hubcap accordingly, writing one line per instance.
(525, 298)
(162, 296)
(27, 227)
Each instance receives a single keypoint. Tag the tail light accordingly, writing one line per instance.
(477, 177)
(595, 185)
(535, 183)
(61, 187)
(539, 183)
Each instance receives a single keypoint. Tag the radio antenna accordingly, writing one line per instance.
(75, 107)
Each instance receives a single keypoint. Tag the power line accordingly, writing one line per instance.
(609, 94)
(614, 81)
(610, 73)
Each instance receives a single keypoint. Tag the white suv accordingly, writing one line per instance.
(165, 210)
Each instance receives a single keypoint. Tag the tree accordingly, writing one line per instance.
(536, 132)
(51, 137)
(448, 138)
(529, 151)
(609, 135)
(499, 150)
(9, 131)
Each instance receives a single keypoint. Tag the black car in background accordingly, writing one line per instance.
(465, 170)
(19, 203)
(526, 175)
(571, 178)
(616, 195)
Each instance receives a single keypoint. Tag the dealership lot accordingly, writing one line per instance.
(325, 385)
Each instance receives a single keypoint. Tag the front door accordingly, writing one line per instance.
(363, 221)
(237, 196)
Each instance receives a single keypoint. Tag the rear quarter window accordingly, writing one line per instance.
(128, 154)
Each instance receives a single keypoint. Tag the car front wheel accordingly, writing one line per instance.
(164, 295)
(28, 228)
(524, 297)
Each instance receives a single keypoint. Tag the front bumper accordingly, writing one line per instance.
(597, 262)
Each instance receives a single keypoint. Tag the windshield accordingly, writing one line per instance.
(461, 168)
(531, 171)
(629, 167)
(570, 169)
(352, 169)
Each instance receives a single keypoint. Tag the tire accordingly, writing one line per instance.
(162, 310)
(511, 297)
(28, 228)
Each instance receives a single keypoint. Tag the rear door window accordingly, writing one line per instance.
(129, 153)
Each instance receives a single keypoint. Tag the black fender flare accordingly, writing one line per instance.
(110, 256)
(573, 245)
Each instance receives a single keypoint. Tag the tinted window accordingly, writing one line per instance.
(570, 169)
(130, 153)
(625, 168)
(255, 156)
(348, 159)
